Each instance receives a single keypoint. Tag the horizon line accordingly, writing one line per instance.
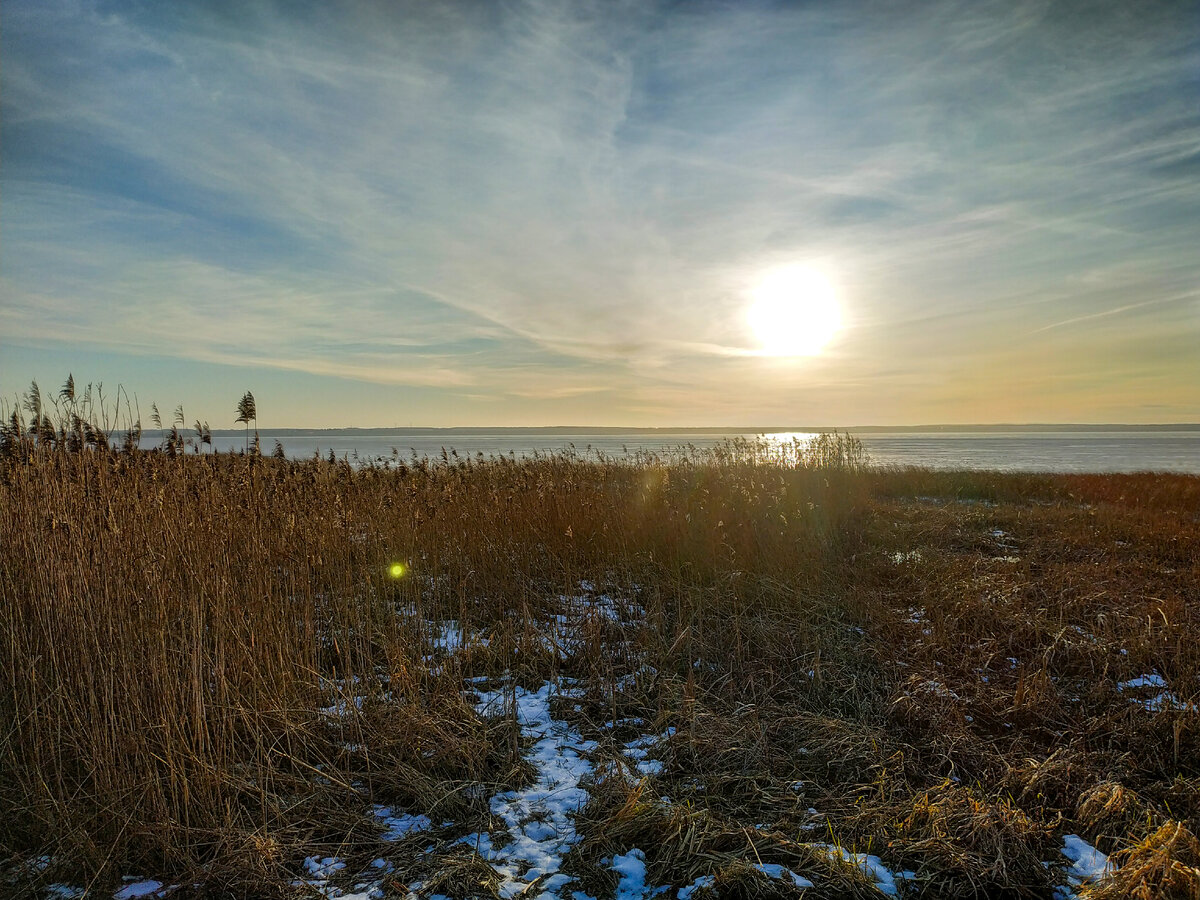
(734, 429)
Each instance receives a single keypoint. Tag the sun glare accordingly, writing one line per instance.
(794, 312)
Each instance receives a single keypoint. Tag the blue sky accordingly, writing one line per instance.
(555, 213)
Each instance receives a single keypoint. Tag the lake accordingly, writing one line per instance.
(1044, 451)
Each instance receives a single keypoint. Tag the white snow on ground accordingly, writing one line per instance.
(1153, 680)
(319, 869)
(142, 889)
(399, 826)
(348, 695)
(1088, 865)
(564, 634)
(1163, 700)
(685, 892)
(770, 870)
(871, 866)
(601, 606)
(781, 873)
(449, 637)
(639, 749)
(323, 868)
(341, 708)
(540, 819)
(631, 867)
(369, 885)
(936, 688)
(645, 673)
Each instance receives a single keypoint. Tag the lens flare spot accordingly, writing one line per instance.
(397, 570)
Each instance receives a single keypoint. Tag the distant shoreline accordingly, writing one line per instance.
(854, 429)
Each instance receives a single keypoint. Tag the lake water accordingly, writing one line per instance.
(1048, 451)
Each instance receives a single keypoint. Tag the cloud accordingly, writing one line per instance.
(462, 195)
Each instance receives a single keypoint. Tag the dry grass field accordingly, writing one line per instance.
(748, 672)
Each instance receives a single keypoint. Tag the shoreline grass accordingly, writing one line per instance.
(932, 661)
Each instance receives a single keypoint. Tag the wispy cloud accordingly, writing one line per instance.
(561, 200)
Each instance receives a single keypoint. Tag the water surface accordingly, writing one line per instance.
(1026, 451)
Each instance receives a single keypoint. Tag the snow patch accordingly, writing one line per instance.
(704, 881)
(871, 866)
(639, 749)
(402, 825)
(1153, 680)
(631, 867)
(781, 873)
(139, 889)
(1163, 700)
(540, 819)
(1088, 865)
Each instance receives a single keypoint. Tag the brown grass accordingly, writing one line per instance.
(929, 660)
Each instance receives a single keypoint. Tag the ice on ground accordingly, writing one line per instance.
(540, 819)
(399, 826)
(64, 892)
(899, 558)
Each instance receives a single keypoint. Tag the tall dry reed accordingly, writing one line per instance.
(170, 626)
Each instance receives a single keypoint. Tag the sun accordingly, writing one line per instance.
(794, 311)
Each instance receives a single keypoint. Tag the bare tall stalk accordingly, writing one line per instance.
(246, 411)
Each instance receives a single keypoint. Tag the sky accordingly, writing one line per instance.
(553, 213)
